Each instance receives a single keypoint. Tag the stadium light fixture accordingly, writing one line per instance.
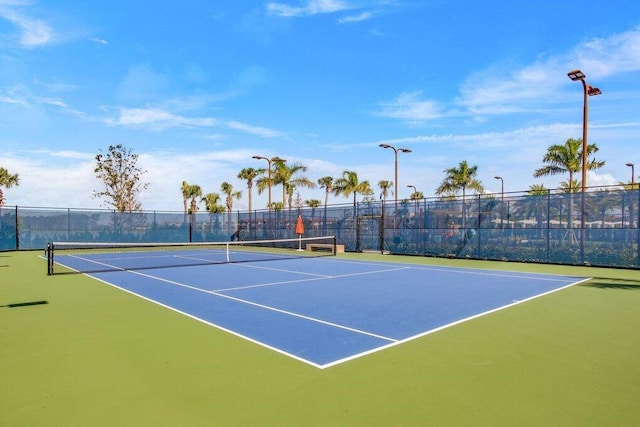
(395, 154)
(577, 75)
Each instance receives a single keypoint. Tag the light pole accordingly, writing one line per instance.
(414, 197)
(577, 75)
(269, 160)
(395, 155)
(501, 200)
(633, 186)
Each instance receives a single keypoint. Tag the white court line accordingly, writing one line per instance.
(266, 307)
(448, 325)
(302, 316)
(318, 277)
(392, 342)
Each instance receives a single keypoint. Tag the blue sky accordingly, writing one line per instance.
(196, 88)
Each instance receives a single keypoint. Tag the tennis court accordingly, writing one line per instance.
(320, 310)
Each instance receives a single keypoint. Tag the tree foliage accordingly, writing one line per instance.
(7, 180)
(460, 178)
(122, 178)
(349, 184)
(567, 158)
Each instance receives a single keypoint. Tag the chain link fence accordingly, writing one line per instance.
(600, 228)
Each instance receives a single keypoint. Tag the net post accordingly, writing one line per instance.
(49, 259)
(335, 246)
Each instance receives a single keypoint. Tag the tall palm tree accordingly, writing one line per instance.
(349, 184)
(290, 179)
(268, 178)
(326, 182)
(460, 178)
(534, 205)
(185, 188)
(227, 189)
(567, 158)
(195, 191)
(7, 180)
(386, 187)
(211, 203)
(192, 192)
(249, 174)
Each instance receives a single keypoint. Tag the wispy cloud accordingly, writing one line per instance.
(410, 108)
(33, 31)
(367, 9)
(253, 130)
(158, 119)
(99, 40)
(363, 16)
(537, 87)
(311, 7)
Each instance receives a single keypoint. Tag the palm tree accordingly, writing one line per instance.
(7, 180)
(268, 178)
(211, 203)
(185, 188)
(567, 158)
(533, 205)
(227, 189)
(386, 187)
(286, 176)
(195, 191)
(460, 178)
(604, 201)
(326, 182)
(313, 204)
(249, 174)
(349, 184)
(190, 192)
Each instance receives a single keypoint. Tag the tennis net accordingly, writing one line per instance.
(91, 257)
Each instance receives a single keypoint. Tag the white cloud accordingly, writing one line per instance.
(254, 130)
(156, 119)
(536, 87)
(539, 85)
(409, 108)
(34, 32)
(311, 7)
(356, 18)
(99, 40)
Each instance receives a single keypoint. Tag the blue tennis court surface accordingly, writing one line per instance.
(324, 311)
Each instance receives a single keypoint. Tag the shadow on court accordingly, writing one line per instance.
(612, 283)
(24, 304)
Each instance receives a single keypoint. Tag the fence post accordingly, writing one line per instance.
(17, 230)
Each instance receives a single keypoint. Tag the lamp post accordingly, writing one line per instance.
(269, 160)
(577, 75)
(395, 154)
(501, 200)
(414, 196)
(633, 186)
